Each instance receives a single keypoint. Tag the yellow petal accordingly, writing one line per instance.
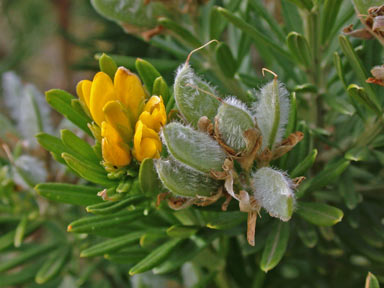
(154, 115)
(147, 142)
(130, 91)
(115, 115)
(114, 154)
(110, 133)
(102, 91)
(114, 150)
(83, 90)
(152, 102)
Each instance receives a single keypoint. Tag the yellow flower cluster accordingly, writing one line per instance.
(118, 107)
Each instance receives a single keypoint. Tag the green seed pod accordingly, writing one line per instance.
(271, 112)
(191, 95)
(184, 181)
(273, 190)
(193, 148)
(233, 119)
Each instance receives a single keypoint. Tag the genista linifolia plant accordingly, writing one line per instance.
(257, 162)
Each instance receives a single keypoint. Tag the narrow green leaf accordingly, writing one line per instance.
(330, 10)
(61, 101)
(161, 88)
(261, 11)
(299, 48)
(80, 146)
(20, 231)
(329, 174)
(69, 193)
(112, 245)
(187, 251)
(359, 95)
(110, 207)
(193, 148)
(253, 32)
(127, 256)
(7, 239)
(357, 154)
(225, 60)
(20, 277)
(88, 171)
(303, 4)
(304, 165)
(179, 231)
(180, 32)
(155, 258)
(223, 221)
(308, 234)
(275, 247)
(292, 116)
(53, 265)
(371, 281)
(107, 65)
(151, 240)
(319, 213)
(52, 144)
(162, 65)
(148, 73)
(358, 68)
(27, 255)
(184, 181)
(347, 190)
(216, 24)
(97, 223)
(339, 68)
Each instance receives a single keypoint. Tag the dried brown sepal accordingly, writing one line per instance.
(228, 199)
(206, 201)
(180, 203)
(221, 142)
(253, 141)
(103, 194)
(251, 228)
(205, 125)
(160, 197)
(248, 203)
(358, 33)
(264, 158)
(378, 24)
(287, 144)
(376, 11)
(297, 181)
(378, 72)
(372, 80)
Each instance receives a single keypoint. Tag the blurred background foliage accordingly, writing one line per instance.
(56, 43)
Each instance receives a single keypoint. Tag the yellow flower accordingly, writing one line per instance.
(114, 150)
(154, 115)
(116, 106)
(147, 142)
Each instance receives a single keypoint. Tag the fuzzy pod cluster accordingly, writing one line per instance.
(194, 155)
